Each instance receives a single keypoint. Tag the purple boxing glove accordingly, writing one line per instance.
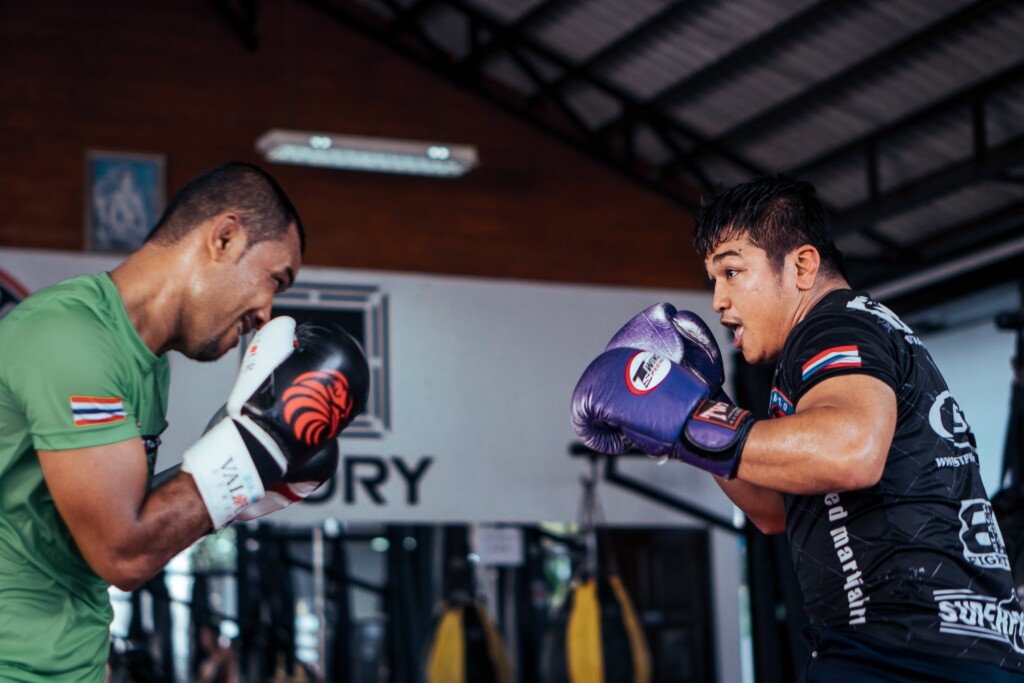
(680, 336)
(717, 429)
(702, 353)
(629, 396)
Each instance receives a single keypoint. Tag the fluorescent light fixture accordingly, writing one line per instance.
(380, 155)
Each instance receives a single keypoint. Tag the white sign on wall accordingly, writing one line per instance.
(469, 413)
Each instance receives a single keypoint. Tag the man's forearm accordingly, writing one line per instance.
(764, 507)
(172, 517)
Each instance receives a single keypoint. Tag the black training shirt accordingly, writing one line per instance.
(916, 560)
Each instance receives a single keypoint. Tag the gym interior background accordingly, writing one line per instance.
(599, 125)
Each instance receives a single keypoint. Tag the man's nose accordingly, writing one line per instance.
(719, 301)
(262, 315)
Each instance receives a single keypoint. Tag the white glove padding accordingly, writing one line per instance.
(236, 460)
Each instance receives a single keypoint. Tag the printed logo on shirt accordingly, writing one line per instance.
(92, 410)
(957, 460)
(980, 536)
(947, 420)
(832, 359)
(779, 405)
(866, 305)
(963, 612)
(856, 598)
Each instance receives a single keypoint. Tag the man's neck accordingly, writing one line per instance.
(811, 297)
(150, 286)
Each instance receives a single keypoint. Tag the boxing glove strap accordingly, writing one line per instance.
(262, 443)
(267, 468)
(714, 436)
(229, 472)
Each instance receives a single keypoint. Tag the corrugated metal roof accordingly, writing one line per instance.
(683, 46)
(934, 218)
(580, 30)
(509, 11)
(908, 116)
(909, 85)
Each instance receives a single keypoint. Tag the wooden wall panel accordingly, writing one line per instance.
(171, 77)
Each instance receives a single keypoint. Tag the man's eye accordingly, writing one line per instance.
(730, 273)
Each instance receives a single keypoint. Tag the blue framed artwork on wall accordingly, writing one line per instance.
(124, 197)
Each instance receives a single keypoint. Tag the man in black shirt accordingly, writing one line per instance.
(868, 463)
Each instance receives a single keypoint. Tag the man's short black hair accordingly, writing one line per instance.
(265, 211)
(776, 213)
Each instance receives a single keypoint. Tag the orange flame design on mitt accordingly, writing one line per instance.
(316, 404)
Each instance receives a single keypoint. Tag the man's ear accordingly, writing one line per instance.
(808, 262)
(225, 238)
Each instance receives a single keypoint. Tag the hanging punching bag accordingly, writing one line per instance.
(466, 646)
(596, 637)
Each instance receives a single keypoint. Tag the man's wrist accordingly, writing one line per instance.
(714, 436)
(224, 472)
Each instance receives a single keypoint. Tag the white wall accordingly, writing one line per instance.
(976, 358)
(481, 375)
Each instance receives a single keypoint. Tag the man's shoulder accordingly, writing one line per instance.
(853, 309)
(845, 332)
(58, 325)
(78, 301)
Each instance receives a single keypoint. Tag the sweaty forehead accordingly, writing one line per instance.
(291, 249)
(281, 255)
(291, 268)
(737, 248)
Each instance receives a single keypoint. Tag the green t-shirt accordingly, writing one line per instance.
(73, 373)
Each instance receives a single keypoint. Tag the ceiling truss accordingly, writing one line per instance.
(690, 161)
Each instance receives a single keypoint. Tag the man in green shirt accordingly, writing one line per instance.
(83, 397)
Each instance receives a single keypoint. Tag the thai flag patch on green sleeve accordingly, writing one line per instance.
(92, 410)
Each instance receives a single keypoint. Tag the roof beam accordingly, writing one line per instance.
(951, 278)
(751, 51)
(671, 12)
(373, 26)
(925, 38)
(682, 161)
(516, 29)
(467, 71)
(965, 97)
(909, 195)
(542, 87)
(655, 117)
(984, 231)
(407, 20)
